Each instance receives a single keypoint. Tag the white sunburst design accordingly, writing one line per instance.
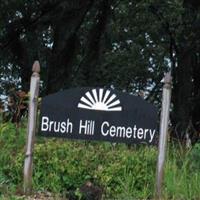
(100, 99)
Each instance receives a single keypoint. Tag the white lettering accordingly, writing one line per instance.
(44, 124)
(129, 132)
(69, 126)
(134, 131)
(84, 127)
(152, 133)
(145, 133)
(121, 131)
(126, 132)
(50, 125)
(56, 126)
(63, 127)
(102, 128)
(140, 133)
(112, 131)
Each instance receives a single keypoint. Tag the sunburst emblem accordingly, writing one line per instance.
(100, 99)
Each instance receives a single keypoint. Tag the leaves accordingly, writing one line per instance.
(121, 44)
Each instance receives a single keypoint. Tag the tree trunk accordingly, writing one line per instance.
(196, 93)
(65, 43)
(182, 93)
(186, 87)
(94, 45)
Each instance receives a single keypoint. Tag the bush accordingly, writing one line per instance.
(63, 167)
(66, 166)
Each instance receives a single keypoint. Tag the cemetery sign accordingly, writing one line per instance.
(98, 114)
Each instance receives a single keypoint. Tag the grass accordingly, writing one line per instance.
(182, 174)
(62, 167)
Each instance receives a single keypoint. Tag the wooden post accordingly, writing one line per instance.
(164, 119)
(32, 114)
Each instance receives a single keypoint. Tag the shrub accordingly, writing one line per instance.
(63, 166)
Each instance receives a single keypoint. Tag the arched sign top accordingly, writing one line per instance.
(98, 114)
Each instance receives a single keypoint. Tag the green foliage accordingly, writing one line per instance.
(98, 46)
(11, 163)
(68, 165)
(182, 176)
(194, 157)
(63, 167)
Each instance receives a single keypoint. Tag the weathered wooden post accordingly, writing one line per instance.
(32, 114)
(164, 119)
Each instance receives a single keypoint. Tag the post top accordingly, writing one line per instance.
(36, 67)
(168, 78)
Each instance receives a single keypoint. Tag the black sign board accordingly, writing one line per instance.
(98, 114)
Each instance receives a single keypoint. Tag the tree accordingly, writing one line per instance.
(126, 44)
(184, 37)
